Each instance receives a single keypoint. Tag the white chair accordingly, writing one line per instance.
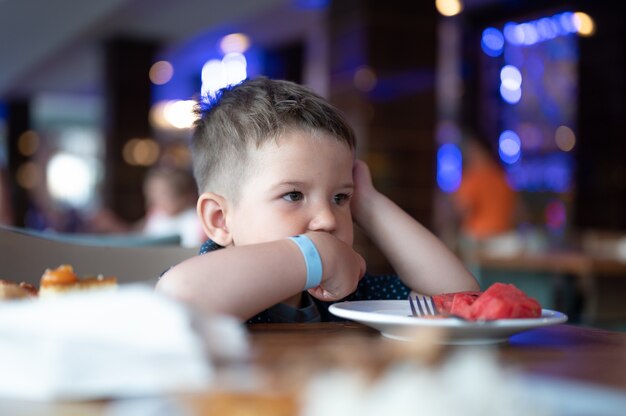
(24, 256)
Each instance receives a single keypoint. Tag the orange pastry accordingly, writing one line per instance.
(11, 290)
(63, 279)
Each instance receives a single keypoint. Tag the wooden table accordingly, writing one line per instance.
(567, 351)
(285, 354)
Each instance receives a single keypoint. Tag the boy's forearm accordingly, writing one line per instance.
(421, 260)
(245, 280)
(239, 281)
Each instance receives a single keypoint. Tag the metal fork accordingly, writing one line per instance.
(422, 305)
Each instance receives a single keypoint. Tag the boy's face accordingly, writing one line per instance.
(297, 184)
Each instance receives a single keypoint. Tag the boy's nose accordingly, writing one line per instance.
(323, 220)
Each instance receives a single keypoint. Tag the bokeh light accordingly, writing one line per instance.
(509, 147)
(28, 143)
(173, 114)
(547, 28)
(567, 23)
(27, 175)
(365, 79)
(449, 167)
(513, 33)
(510, 96)
(492, 42)
(180, 113)
(511, 77)
(511, 84)
(141, 152)
(217, 74)
(161, 72)
(69, 179)
(312, 4)
(449, 7)
(212, 78)
(235, 42)
(584, 24)
(536, 129)
(565, 138)
(157, 117)
(234, 68)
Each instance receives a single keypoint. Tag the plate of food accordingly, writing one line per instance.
(488, 317)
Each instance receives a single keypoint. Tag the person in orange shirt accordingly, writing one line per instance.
(485, 200)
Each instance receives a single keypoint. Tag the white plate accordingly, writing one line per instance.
(393, 318)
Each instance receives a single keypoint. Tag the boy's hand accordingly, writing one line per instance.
(363, 191)
(342, 267)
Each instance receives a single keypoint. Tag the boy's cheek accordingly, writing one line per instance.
(348, 234)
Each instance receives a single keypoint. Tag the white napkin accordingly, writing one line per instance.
(123, 343)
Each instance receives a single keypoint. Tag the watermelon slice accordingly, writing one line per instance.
(499, 301)
(443, 302)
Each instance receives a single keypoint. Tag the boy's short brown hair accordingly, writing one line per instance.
(250, 114)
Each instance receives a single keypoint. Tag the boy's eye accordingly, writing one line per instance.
(293, 196)
(341, 199)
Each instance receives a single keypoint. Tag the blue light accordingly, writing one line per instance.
(510, 96)
(566, 21)
(449, 167)
(509, 147)
(530, 33)
(542, 174)
(513, 33)
(546, 28)
(312, 4)
(217, 74)
(511, 79)
(492, 42)
(540, 30)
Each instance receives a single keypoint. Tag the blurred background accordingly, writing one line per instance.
(93, 95)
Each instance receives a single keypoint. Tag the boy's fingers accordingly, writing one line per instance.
(362, 266)
(321, 293)
(325, 293)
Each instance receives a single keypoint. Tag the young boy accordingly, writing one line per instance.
(273, 161)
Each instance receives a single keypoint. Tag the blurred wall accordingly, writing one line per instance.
(382, 74)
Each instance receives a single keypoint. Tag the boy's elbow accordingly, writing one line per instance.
(184, 290)
(175, 288)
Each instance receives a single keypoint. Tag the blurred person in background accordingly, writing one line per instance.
(485, 201)
(170, 197)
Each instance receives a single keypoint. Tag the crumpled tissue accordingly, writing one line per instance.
(125, 343)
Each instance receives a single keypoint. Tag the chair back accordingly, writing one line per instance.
(24, 257)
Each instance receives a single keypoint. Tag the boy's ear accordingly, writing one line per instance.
(212, 212)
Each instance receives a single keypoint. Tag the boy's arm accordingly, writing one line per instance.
(245, 280)
(422, 260)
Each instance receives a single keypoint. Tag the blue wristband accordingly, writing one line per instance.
(311, 259)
